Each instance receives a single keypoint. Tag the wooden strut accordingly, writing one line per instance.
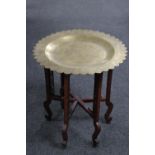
(81, 104)
(72, 99)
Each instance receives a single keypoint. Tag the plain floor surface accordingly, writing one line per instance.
(44, 138)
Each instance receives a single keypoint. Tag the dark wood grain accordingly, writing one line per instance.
(109, 104)
(66, 98)
(47, 102)
(96, 106)
(62, 88)
(66, 83)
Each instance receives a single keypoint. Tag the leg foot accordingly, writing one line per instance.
(48, 116)
(96, 133)
(107, 117)
(64, 135)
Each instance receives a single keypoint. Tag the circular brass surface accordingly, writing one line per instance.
(79, 51)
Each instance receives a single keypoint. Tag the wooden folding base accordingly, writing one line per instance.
(66, 97)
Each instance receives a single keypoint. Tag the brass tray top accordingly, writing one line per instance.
(80, 52)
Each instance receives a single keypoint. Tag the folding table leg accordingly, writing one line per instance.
(66, 82)
(48, 94)
(108, 102)
(62, 88)
(96, 105)
(52, 83)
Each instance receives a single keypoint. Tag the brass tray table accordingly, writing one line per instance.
(79, 52)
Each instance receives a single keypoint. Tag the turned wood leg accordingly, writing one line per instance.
(48, 94)
(62, 88)
(66, 82)
(96, 105)
(108, 102)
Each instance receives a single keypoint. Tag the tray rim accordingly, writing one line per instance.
(119, 55)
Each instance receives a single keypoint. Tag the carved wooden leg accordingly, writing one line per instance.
(62, 89)
(48, 94)
(108, 102)
(66, 108)
(96, 105)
